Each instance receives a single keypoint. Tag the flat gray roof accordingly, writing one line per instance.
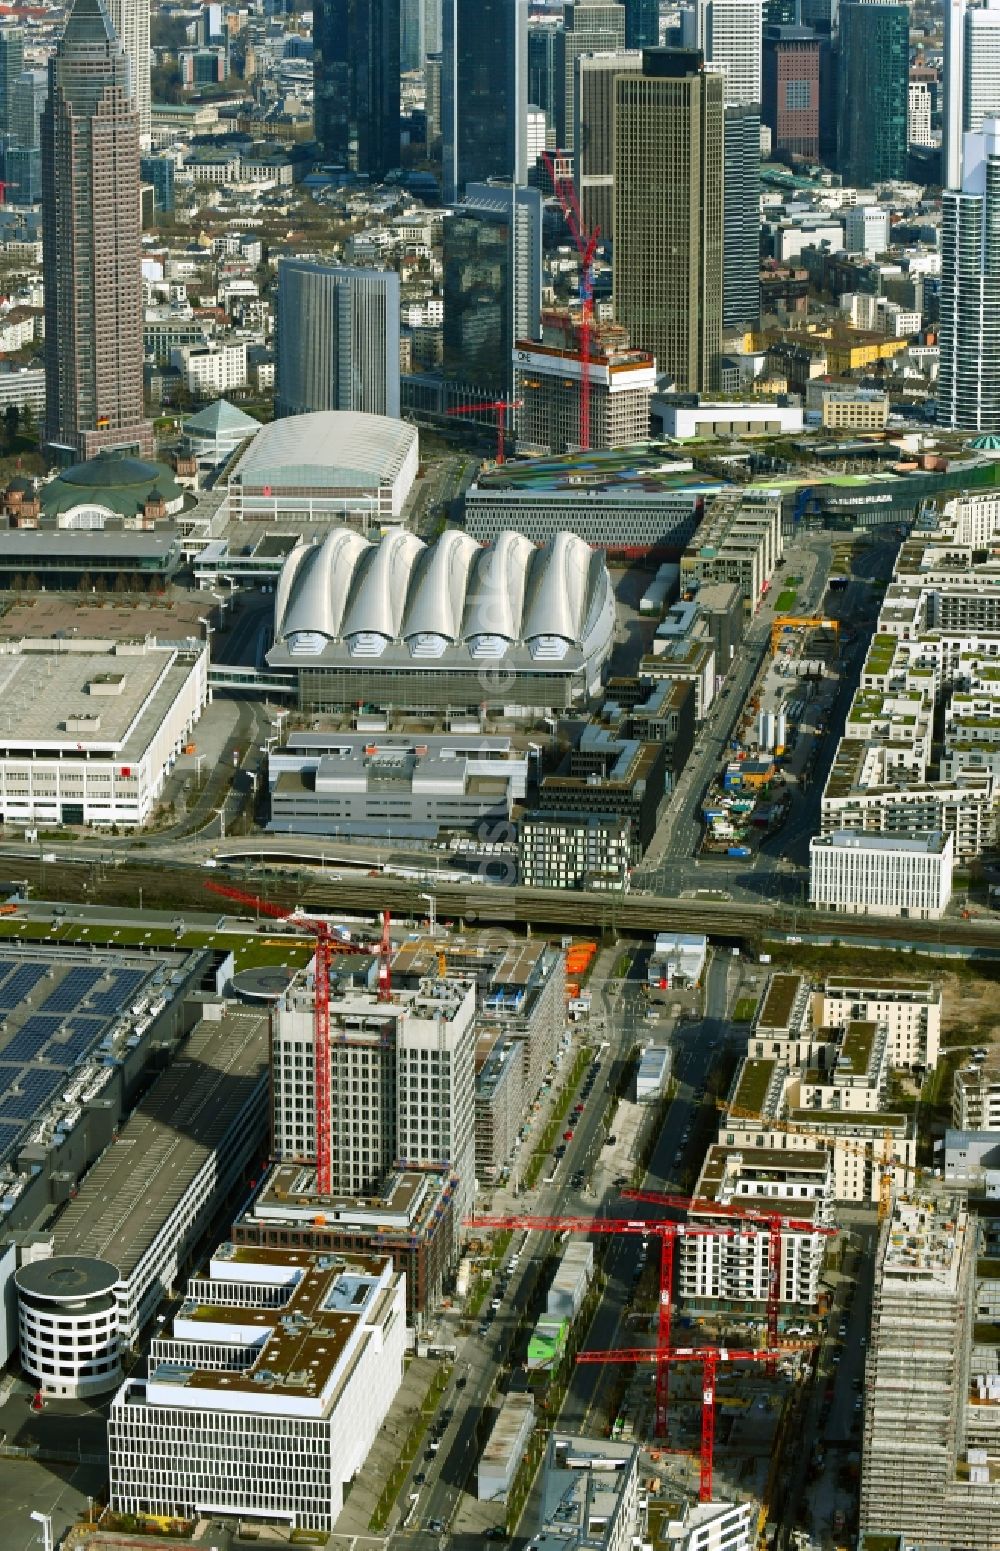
(126, 1199)
(84, 699)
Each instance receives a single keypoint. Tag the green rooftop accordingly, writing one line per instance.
(751, 1088)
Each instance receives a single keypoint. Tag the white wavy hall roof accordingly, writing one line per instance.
(558, 606)
(315, 583)
(436, 605)
(495, 602)
(378, 598)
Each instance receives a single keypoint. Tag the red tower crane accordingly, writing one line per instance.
(666, 1232)
(710, 1357)
(586, 245)
(775, 1222)
(327, 944)
(499, 407)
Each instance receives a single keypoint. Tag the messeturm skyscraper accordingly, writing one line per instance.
(91, 243)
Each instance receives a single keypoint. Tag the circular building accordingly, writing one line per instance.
(68, 1325)
(335, 464)
(112, 485)
(263, 985)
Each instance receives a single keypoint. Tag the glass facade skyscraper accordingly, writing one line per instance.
(642, 23)
(337, 339)
(968, 385)
(874, 91)
(741, 217)
(356, 83)
(492, 284)
(484, 93)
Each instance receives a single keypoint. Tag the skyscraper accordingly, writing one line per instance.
(412, 26)
(130, 19)
(669, 151)
(543, 72)
(741, 217)
(594, 133)
(642, 23)
(91, 243)
(337, 335)
(791, 89)
(589, 27)
(971, 77)
(874, 91)
(356, 83)
(11, 66)
(492, 283)
(968, 385)
(729, 36)
(484, 92)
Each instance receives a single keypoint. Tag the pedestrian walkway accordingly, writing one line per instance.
(387, 1449)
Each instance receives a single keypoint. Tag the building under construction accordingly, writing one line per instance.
(548, 382)
(931, 1461)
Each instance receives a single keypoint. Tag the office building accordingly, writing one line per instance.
(91, 236)
(739, 540)
(590, 1494)
(11, 68)
(867, 230)
(594, 163)
(642, 24)
(130, 19)
(159, 171)
(669, 167)
(337, 339)
(929, 1425)
(547, 380)
(981, 65)
(919, 112)
(28, 99)
(412, 31)
(589, 27)
(356, 84)
(492, 284)
(729, 34)
(715, 1526)
(543, 68)
(268, 1393)
(968, 386)
(741, 217)
(484, 93)
(402, 1085)
(574, 850)
(874, 88)
(881, 874)
(791, 90)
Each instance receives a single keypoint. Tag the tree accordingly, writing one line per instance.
(11, 421)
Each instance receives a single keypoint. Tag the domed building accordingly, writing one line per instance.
(112, 486)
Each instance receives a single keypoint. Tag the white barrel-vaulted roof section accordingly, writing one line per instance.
(560, 594)
(315, 584)
(378, 598)
(438, 589)
(495, 601)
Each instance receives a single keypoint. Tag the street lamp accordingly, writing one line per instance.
(45, 1520)
(433, 911)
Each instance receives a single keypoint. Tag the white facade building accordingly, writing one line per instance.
(68, 1325)
(730, 32)
(213, 369)
(981, 65)
(715, 1526)
(590, 1494)
(268, 1396)
(881, 874)
(93, 727)
(909, 1011)
(976, 1095)
(867, 230)
(918, 120)
(402, 1084)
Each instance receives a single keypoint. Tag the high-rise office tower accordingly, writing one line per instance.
(11, 66)
(484, 93)
(790, 105)
(402, 1085)
(492, 283)
(589, 27)
(971, 77)
(741, 217)
(729, 34)
(543, 68)
(91, 243)
(432, 81)
(919, 113)
(337, 336)
(594, 134)
(30, 91)
(412, 27)
(874, 91)
(642, 24)
(669, 168)
(968, 385)
(356, 83)
(130, 19)
(433, 21)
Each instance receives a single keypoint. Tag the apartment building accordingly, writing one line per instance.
(569, 850)
(267, 1396)
(738, 540)
(909, 1010)
(590, 1494)
(976, 1094)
